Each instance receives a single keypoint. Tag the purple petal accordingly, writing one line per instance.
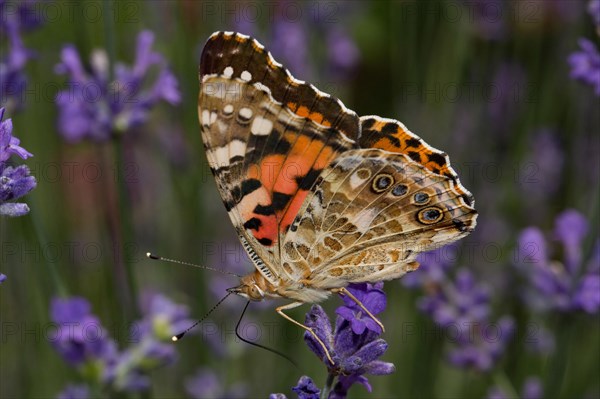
(532, 389)
(13, 209)
(532, 246)
(587, 296)
(377, 367)
(306, 389)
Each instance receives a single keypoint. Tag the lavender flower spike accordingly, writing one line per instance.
(569, 285)
(585, 64)
(15, 182)
(92, 107)
(9, 144)
(354, 354)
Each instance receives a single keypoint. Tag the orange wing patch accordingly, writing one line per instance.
(392, 136)
(304, 112)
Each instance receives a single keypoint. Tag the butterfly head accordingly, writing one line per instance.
(252, 287)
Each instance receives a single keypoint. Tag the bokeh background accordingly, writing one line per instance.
(103, 94)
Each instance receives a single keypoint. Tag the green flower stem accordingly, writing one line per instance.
(40, 232)
(328, 385)
(126, 229)
(559, 363)
(502, 381)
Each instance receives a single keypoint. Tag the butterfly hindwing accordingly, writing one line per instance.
(369, 215)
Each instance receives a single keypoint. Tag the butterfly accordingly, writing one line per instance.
(320, 198)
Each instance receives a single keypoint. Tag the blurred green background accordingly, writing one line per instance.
(480, 82)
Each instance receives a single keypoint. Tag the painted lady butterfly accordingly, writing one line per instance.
(320, 198)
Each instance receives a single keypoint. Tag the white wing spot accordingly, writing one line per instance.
(205, 117)
(228, 109)
(228, 72)
(246, 76)
(246, 113)
(261, 126)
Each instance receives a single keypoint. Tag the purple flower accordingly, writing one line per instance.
(152, 346)
(2, 278)
(290, 45)
(547, 156)
(506, 99)
(566, 286)
(15, 17)
(585, 64)
(460, 304)
(14, 183)
(343, 54)
(462, 307)
(354, 355)
(206, 384)
(488, 18)
(480, 345)
(532, 389)
(95, 108)
(593, 9)
(75, 392)
(433, 267)
(9, 144)
(370, 295)
(80, 337)
(306, 388)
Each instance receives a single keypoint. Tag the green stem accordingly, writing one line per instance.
(126, 229)
(560, 360)
(503, 382)
(328, 385)
(59, 286)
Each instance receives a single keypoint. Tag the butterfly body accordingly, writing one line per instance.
(320, 198)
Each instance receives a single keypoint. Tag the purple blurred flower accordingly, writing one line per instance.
(585, 64)
(353, 354)
(462, 307)
(593, 9)
(508, 95)
(81, 339)
(532, 389)
(206, 384)
(488, 17)
(290, 44)
(370, 295)
(14, 18)
(95, 108)
(152, 346)
(547, 157)
(480, 346)
(2, 278)
(75, 392)
(459, 304)
(306, 388)
(433, 266)
(539, 339)
(570, 285)
(343, 54)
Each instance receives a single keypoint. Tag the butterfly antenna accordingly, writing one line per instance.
(177, 337)
(237, 333)
(156, 257)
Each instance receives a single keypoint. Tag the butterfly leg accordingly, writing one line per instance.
(344, 291)
(292, 305)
